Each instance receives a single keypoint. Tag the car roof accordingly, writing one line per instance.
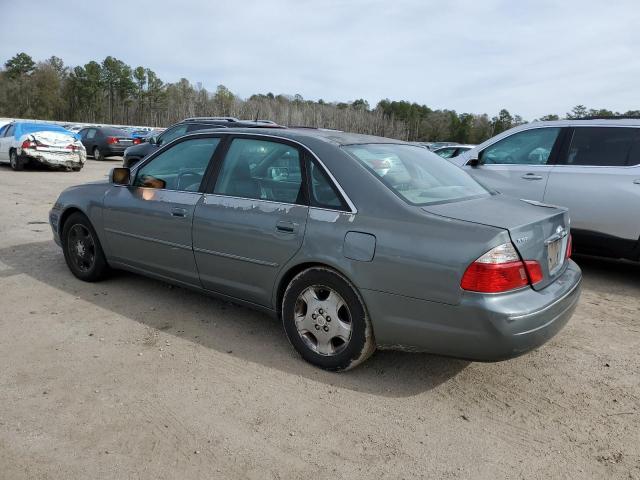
(335, 137)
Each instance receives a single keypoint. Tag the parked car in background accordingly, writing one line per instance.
(23, 143)
(302, 223)
(104, 142)
(590, 166)
(134, 154)
(452, 151)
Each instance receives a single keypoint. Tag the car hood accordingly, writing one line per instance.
(531, 225)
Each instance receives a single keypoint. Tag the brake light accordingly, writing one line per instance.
(72, 147)
(28, 144)
(112, 140)
(500, 270)
(569, 247)
(136, 141)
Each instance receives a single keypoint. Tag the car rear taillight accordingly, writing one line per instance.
(136, 141)
(72, 147)
(28, 144)
(569, 247)
(500, 270)
(112, 140)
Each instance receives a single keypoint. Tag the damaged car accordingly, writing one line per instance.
(24, 143)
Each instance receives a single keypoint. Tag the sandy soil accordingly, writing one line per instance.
(132, 378)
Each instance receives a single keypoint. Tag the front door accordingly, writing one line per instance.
(598, 179)
(519, 164)
(253, 221)
(148, 223)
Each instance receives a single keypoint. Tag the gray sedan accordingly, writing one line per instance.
(354, 242)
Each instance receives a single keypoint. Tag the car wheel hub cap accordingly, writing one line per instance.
(82, 249)
(323, 320)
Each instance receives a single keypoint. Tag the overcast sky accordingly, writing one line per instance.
(531, 57)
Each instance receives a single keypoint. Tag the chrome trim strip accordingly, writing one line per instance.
(236, 257)
(219, 195)
(148, 239)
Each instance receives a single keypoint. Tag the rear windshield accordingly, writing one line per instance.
(415, 174)
(25, 128)
(114, 132)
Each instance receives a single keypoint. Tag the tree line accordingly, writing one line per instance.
(113, 92)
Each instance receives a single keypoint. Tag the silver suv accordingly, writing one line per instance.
(590, 166)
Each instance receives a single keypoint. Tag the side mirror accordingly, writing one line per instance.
(474, 161)
(120, 176)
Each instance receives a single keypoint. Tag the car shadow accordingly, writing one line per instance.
(223, 326)
(609, 274)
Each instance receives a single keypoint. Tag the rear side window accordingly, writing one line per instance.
(172, 134)
(530, 147)
(323, 193)
(10, 130)
(91, 133)
(263, 170)
(604, 146)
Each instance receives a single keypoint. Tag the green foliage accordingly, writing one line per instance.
(113, 92)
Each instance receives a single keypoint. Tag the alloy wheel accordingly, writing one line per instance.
(323, 320)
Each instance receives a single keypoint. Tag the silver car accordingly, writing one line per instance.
(355, 242)
(592, 167)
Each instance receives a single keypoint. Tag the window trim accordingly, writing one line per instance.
(553, 155)
(569, 139)
(209, 184)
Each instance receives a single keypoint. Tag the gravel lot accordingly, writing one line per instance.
(132, 378)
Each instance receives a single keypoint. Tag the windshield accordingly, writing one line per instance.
(415, 174)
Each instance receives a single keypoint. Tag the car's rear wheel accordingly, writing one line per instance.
(82, 250)
(97, 154)
(15, 161)
(326, 320)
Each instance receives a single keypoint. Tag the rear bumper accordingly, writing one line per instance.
(113, 150)
(481, 327)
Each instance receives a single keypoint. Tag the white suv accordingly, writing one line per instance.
(590, 166)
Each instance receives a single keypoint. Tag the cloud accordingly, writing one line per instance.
(532, 58)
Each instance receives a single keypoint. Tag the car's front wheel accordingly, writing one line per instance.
(82, 250)
(15, 161)
(326, 320)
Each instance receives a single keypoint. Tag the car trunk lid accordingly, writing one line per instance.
(538, 231)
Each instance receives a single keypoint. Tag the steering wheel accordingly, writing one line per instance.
(189, 181)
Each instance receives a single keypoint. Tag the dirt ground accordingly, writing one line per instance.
(134, 379)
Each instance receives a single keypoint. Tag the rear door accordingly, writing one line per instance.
(598, 179)
(519, 165)
(253, 220)
(148, 223)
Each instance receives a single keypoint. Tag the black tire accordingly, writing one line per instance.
(346, 355)
(86, 261)
(76, 169)
(97, 154)
(15, 161)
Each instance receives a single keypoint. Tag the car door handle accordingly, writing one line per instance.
(179, 212)
(637, 181)
(286, 227)
(531, 176)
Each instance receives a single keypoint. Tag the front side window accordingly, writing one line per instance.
(181, 167)
(530, 147)
(604, 146)
(416, 175)
(172, 134)
(261, 169)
